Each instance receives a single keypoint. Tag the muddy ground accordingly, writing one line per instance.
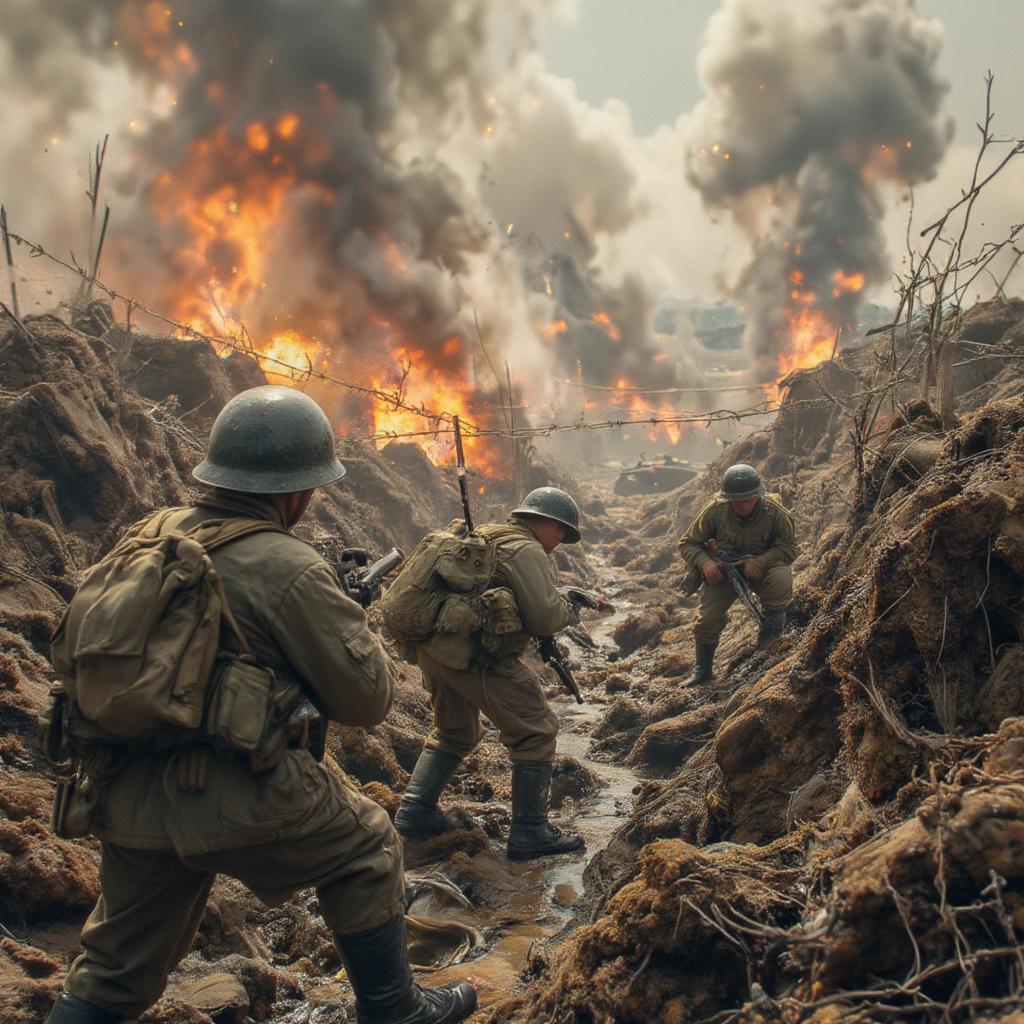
(831, 829)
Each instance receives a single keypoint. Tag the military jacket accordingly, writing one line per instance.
(297, 620)
(768, 531)
(525, 568)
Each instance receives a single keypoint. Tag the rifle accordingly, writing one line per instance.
(360, 581)
(460, 469)
(585, 599)
(728, 560)
(552, 655)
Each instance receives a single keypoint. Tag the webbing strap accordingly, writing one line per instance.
(223, 531)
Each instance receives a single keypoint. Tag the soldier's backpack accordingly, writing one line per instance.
(136, 648)
(437, 592)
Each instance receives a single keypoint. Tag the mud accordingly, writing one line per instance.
(831, 828)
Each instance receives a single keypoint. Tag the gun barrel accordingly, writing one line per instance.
(384, 565)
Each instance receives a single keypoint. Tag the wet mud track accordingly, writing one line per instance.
(548, 890)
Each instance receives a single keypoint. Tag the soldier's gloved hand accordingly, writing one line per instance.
(753, 568)
(712, 573)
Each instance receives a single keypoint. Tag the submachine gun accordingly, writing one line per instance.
(729, 562)
(552, 653)
(361, 580)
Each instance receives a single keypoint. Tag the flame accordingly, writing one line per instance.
(811, 332)
(422, 387)
(554, 330)
(605, 322)
(629, 397)
(843, 282)
(291, 348)
(812, 337)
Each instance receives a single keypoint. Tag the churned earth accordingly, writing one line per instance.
(832, 829)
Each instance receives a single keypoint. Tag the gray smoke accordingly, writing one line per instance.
(364, 122)
(811, 108)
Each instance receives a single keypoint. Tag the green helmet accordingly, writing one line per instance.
(551, 503)
(740, 482)
(270, 440)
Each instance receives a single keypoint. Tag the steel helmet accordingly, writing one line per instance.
(740, 482)
(552, 503)
(270, 440)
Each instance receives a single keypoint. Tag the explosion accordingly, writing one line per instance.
(813, 111)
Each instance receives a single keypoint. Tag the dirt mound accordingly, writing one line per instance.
(661, 951)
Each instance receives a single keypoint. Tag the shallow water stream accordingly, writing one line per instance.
(552, 886)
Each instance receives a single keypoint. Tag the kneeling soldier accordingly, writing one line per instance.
(170, 820)
(744, 520)
(497, 683)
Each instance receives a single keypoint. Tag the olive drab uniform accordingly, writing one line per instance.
(170, 821)
(498, 683)
(768, 533)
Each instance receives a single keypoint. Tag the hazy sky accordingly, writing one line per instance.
(644, 52)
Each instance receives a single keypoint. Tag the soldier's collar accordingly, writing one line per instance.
(255, 506)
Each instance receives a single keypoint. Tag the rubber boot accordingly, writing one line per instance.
(377, 965)
(70, 1009)
(531, 834)
(771, 629)
(704, 669)
(417, 816)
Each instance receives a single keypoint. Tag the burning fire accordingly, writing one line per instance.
(630, 397)
(812, 333)
(420, 386)
(605, 322)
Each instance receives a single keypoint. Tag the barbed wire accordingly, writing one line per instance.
(662, 391)
(472, 430)
(301, 373)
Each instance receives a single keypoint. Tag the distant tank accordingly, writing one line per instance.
(663, 474)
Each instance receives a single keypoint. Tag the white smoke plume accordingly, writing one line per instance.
(811, 108)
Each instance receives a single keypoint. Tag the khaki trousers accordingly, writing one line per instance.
(774, 588)
(152, 901)
(508, 693)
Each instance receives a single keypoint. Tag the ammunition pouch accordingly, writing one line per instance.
(499, 618)
(252, 714)
(75, 805)
(83, 768)
(459, 616)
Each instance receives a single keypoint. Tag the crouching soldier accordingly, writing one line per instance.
(746, 522)
(190, 772)
(483, 671)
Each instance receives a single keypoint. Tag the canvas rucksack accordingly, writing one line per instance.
(444, 600)
(136, 648)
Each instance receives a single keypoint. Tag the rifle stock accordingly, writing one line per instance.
(729, 561)
(552, 655)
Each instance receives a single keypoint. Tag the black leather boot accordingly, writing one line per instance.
(377, 965)
(417, 816)
(771, 629)
(531, 834)
(704, 668)
(70, 1009)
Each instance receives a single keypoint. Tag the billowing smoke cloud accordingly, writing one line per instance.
(811, 107)
(347, 173)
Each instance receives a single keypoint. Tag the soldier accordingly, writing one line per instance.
(169, 822)
(746, 521)
(502, 687)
